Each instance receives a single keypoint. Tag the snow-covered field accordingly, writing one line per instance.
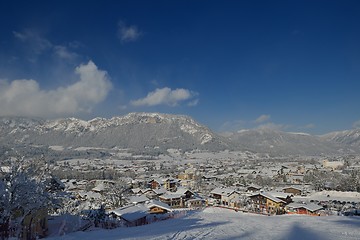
(217, 223)
(330, 196)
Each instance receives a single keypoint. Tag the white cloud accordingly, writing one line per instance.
(154, 82)
(356, 124)
(165, 96)
(274, 126)
(128, 33)
(233, 126)
(262, 118)
(64, 53)
(21, 36)
(26, 98)
(193, 103)
(36, 43)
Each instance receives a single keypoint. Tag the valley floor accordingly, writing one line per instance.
(217, 223)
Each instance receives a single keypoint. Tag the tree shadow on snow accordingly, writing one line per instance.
(206, 229)
(298, 232)
(245, 235)
(175, 227)
(353, 221)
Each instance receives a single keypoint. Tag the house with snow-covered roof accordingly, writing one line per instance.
(196, 203)
(300, 208)
(159, 191)
(148, 192)
(155, 183)
(253, 188)
(158, 207)
(132, 215)
(224, 196)
(174, 200)
(265, 203)
(293, 190)
(286, 197)
(169, 184)
(186, 192)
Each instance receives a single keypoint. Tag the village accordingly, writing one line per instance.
(112, 193)
(149, 191)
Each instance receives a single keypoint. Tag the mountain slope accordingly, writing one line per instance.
(284, 143)
(155, 132)
(348, 137)
(135, 131)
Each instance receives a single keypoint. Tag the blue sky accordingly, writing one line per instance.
(289, 65)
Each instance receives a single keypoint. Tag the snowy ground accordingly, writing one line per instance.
(216, 223)
(330, 196)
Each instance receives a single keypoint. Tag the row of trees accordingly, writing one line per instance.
(334, 180)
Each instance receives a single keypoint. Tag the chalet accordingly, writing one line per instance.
(150, 193)
(173, 200)
(155, 183)
(186, 192)
(265, 203)
(157, 207)
(132, 215)
(237, 202)
(195, 203)
(286, 197)
(308, 209)
(224, 195)
(170, 184)
(292, 190)
(218, 192)
(253, 188)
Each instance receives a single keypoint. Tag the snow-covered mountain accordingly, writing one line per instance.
(135, 131)
(348, 137)
(285, 143)
(155, 132)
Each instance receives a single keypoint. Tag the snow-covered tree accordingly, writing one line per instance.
(22, 193)
(114, 196)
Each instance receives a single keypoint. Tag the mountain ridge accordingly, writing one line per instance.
(347, 137)
(134, 130)
(159, 132)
